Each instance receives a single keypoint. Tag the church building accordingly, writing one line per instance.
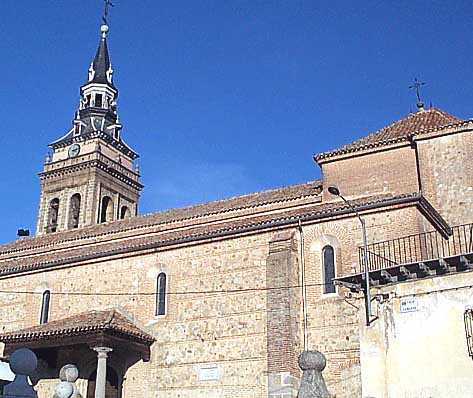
(218, 300)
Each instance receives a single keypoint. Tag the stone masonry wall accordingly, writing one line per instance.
(333, 324)
(223, 330)
(251, 335)
(447, 175)
(89, 182)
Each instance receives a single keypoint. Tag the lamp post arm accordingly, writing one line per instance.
(352, 208)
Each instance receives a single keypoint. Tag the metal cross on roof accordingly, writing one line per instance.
(107, 5)
(417, 84)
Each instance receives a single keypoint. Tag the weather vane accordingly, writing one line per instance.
(417, 85)
(107, 4)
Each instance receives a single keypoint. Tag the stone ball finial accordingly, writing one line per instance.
(312, 360)
(104, 30)
(23, 362)
(69, 373)
(64, 390)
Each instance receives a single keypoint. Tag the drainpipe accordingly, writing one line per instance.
(416, 152)
(304, 291)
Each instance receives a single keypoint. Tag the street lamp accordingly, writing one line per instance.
(336, 192)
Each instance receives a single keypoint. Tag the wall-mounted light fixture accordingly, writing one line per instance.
(468, 316)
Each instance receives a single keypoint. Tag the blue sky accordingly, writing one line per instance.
(222, 98)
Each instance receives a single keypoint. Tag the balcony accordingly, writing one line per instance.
(413, 256)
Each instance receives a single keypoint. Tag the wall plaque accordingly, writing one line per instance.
(209, 373)
(409, 305)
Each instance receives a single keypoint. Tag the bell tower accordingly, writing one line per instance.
(90, 177)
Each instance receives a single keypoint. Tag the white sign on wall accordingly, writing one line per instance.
(209, 373)
(409, 305)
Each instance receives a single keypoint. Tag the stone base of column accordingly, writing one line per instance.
(282, 385)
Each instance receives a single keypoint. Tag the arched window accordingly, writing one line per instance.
(106, 212)
(74, 211)
(124, 212)
(53, 215)
(161, 294)
(328, 261)
(45, 307)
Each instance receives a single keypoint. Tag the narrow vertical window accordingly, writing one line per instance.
(98, 100)
(53, 215)
(74, 211)
(328, 258)
(106, 213)
(161, 294)
(124, 212)
(45, 307)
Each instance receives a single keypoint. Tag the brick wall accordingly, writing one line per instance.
(253, 336)
(391, 171)
(283, 320)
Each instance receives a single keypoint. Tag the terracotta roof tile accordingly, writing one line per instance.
(411, 125)
(165, 237)
(84, 323)
(237, 203)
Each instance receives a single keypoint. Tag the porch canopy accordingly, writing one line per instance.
(71, 338)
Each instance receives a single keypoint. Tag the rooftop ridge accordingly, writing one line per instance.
(399, 131)
(80, 234)
(201, 233)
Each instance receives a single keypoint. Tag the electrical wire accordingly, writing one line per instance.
(189, 292)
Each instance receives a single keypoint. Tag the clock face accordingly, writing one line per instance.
(74, 150)
(97, 123)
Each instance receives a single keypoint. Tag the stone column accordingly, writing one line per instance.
(101, 379)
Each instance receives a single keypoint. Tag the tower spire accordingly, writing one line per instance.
(90, 177)
(100, 70)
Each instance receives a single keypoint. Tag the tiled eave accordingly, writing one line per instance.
(338, 154)
(409, 272)
(165, 240)
(245, 205)
(83, 323)
(108, 328)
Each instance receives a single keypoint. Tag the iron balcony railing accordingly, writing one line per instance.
(416, 248)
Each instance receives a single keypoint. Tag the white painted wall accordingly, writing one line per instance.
(5, 373)
(423, 353)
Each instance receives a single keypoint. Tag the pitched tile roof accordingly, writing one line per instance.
(278, 197)
(160, 236)
(85, 323)
(401, 130)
